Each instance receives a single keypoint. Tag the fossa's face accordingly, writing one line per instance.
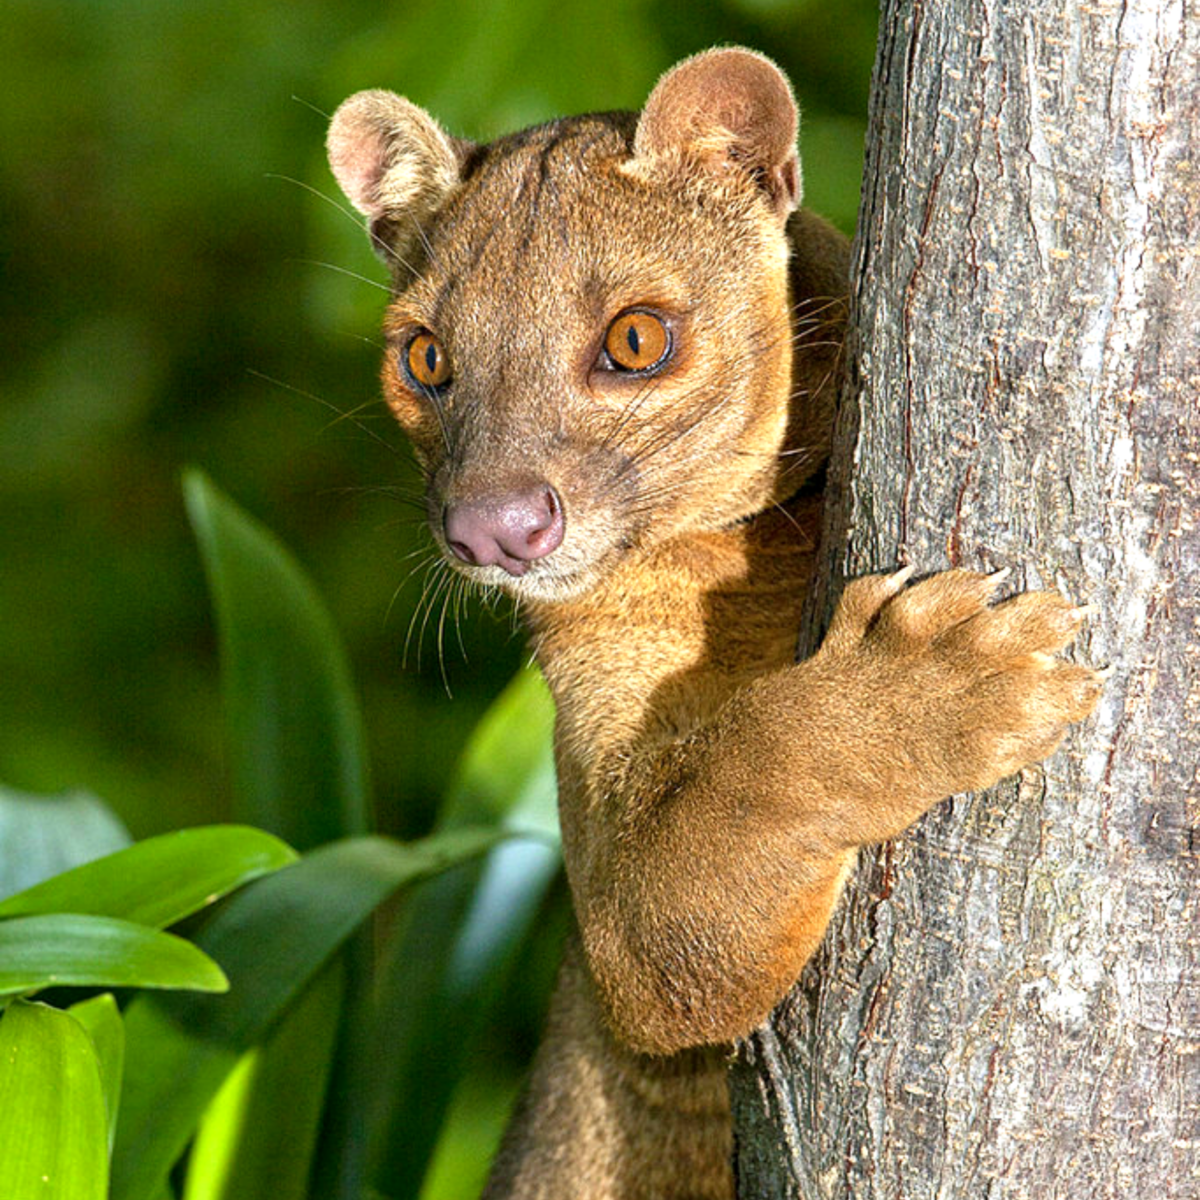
(589, 344)
(588, 359)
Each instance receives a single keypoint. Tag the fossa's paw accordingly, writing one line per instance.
(972, 691)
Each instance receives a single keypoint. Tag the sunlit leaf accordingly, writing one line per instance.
(271, 937)
(258, 1136)
(65, 949)
(161, 880)
(53, 1122)
(294, 733)
(461, 932)
(101, 1017)
(506, 772)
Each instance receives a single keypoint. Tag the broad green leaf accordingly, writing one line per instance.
(258, 1136)
(295, 737)
(69, 950)
(101, 1017)
(53, 1123)
(161, 880)
(271, 937)
(506, 772)
(43, 835)
(432, 999)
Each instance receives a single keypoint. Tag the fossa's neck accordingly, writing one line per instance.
(729, 599)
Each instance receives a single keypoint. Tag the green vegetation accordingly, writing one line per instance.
(183, 286)
(175, 292)
(289, 1050)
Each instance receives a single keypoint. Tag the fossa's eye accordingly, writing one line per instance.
(427, 362)
(637, 341)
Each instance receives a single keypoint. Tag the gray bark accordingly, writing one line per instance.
(1008, 1001)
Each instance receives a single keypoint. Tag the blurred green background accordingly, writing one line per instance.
(178, 288)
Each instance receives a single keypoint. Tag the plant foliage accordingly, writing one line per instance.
(219, 1066)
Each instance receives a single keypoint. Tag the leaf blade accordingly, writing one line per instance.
(101, 1018)
(430, 1004)
(161, 880)
(53, 1122)
(258, 1136)
(294, 731)
(69, 950)
(271, 938)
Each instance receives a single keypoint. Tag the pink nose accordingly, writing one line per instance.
(509, 531)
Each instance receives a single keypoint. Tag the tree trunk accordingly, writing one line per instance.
(1008, 1001)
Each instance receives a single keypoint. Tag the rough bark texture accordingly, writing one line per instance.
(1008, 1003)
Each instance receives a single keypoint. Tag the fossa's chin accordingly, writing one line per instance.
(543, 582)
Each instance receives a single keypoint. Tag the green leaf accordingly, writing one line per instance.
(271, 937)
(295, 736)
(430, 1004)
(161, 880)
(101, 1017)
(258, 1136)
(506, 772)
(53, 1136)
(65, 949)
(43, 835)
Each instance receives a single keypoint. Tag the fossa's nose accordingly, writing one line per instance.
(509, 531)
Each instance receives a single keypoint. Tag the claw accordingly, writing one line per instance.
(897, 579)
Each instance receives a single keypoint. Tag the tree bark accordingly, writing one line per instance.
(1008, 1001)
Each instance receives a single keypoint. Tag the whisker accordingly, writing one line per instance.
(316, 262)
(426, 244)
(350, 214)
(425, 564)
(306, 395)
(326, 117)
(366, 341)
(394, 492)
(651, 386)
(462, 592)
(353, 415)
(670, 436)
(447, 596)
(435, 583)
(626, 415)
(815, 306)
(787, 516)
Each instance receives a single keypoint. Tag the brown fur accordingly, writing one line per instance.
(713, 793)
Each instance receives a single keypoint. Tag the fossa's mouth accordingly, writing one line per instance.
(532, 539)
(543, 582)
(573, 567)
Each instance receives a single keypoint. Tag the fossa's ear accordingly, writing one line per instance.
(727, 110)
(396, 165)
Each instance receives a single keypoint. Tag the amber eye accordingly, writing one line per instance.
(428, 362)
(637, 341)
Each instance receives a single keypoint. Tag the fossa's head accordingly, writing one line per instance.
(588, 343)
